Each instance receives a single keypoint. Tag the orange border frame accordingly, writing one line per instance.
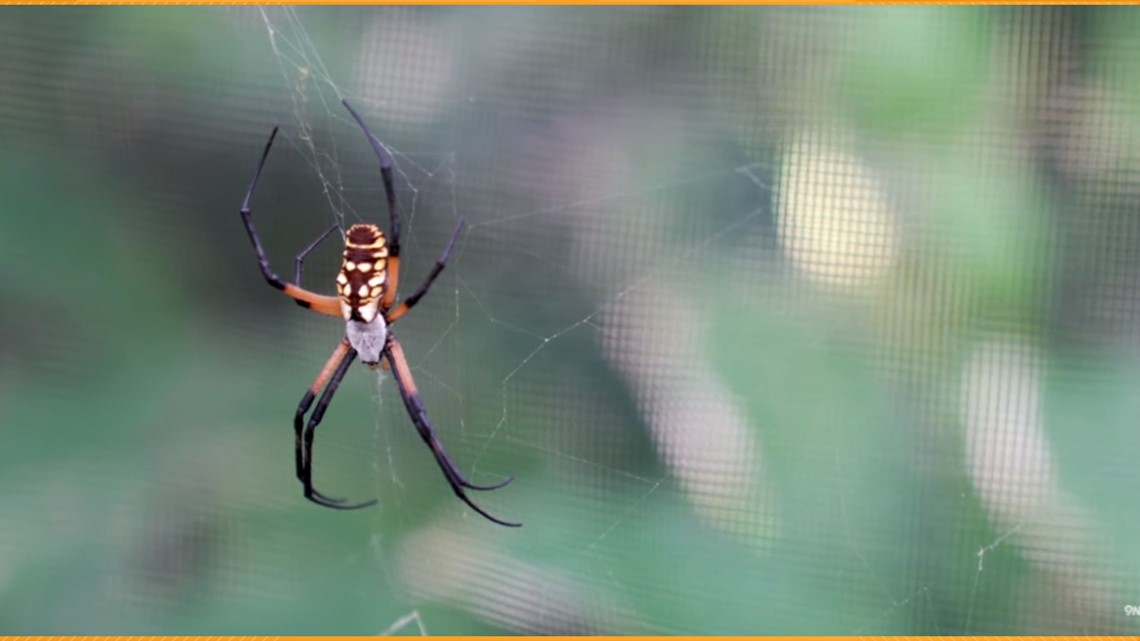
(563, 2)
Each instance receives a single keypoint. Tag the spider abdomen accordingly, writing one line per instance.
(363, 272)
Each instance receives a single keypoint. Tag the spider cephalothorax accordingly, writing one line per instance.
(366, 292)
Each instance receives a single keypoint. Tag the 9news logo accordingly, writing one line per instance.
(1132, 610)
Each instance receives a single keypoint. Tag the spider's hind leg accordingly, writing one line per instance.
(328, 305)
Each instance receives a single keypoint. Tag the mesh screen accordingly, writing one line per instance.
(786, 320)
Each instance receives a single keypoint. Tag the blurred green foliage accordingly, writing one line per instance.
(712, 429)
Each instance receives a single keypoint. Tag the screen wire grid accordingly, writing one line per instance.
(786, 320)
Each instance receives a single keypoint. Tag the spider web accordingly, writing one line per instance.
(507, 345)
(314, 97)
(787, 320)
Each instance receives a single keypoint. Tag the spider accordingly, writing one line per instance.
(366, 293)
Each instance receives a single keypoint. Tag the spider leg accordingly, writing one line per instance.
(300, 260)
(307, 402)
(385, 175)
(410, 301)
(329, 305)
(393, 209)
(414, 404)
(341, 359)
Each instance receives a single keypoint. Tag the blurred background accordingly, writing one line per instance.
(787, 320)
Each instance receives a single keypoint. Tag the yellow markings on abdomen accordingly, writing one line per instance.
(360, 283)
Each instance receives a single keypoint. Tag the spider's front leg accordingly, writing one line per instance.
(394, 355)
(333, 372)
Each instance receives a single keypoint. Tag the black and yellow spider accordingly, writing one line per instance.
(366, 292)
